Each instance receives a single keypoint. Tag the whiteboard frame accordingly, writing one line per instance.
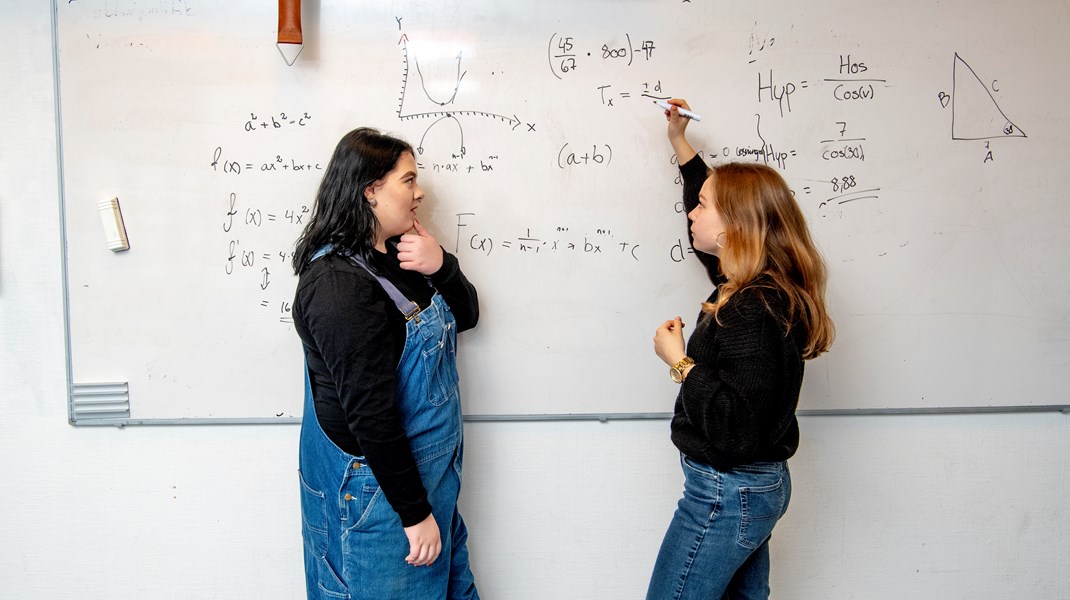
(604, 417)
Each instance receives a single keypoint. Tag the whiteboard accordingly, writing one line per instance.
(925, 144)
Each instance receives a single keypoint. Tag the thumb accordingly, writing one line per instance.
(420, 231)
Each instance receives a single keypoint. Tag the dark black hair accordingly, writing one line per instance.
(341, 217)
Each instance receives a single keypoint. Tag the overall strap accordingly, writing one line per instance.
(407, 307)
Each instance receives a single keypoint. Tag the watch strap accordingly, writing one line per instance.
(684, 363)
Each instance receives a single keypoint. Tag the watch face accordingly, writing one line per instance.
(676, 375)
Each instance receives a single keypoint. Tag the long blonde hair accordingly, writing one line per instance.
(766, 234)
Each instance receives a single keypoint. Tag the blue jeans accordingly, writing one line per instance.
(717, 545)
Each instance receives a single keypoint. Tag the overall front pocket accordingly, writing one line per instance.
(440, 367)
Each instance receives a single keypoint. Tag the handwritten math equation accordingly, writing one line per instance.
(848, 84)
(250, 253)
(276, 164)
(276, 121)
(457, 164)
(565, 55)
(559, 240)
(608, 94)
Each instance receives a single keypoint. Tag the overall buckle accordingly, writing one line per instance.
(412, 310)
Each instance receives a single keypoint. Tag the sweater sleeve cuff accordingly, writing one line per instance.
(448, 270)
(415, 514)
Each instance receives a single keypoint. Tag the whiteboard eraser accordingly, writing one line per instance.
(114, 230)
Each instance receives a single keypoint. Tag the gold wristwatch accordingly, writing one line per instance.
(677, 371)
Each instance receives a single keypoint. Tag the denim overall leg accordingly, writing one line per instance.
(355, 546)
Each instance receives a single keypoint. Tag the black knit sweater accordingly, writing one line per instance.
(737, 405)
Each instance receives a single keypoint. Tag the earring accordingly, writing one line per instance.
(720, 243)
(372, 202)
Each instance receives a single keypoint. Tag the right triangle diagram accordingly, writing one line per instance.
(975, 114)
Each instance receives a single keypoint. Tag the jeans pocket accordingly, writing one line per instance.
(697, 468)
(318, 570)
(703, 485)
(370, 497)
(313, 518)
(760, 508)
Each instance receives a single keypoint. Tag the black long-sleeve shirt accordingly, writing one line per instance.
(353, 337)
(737, 404)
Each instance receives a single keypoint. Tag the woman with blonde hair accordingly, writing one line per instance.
(740, 374)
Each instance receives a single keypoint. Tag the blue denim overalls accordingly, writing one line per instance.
(354, 544)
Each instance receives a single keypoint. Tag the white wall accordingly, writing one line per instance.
(884, 507)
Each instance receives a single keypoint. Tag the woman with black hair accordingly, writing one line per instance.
(378, 307)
